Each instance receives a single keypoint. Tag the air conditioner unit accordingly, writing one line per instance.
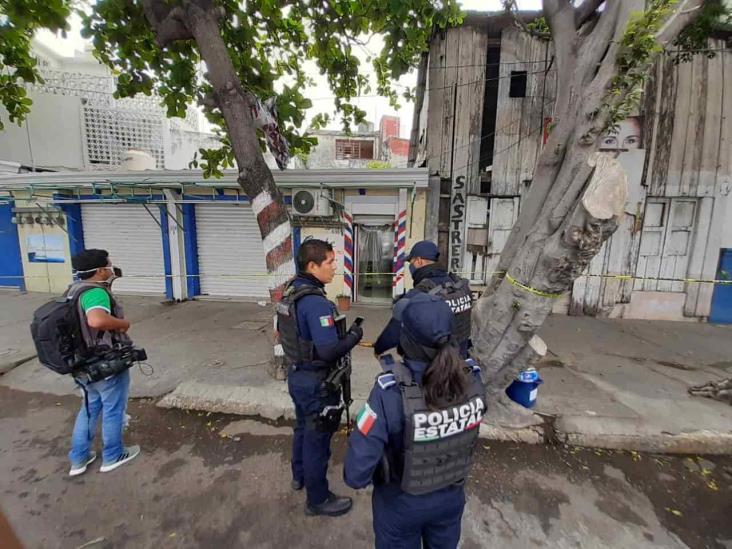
(311, 202)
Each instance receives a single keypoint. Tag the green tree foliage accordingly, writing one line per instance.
(19, 20)
(268, 42)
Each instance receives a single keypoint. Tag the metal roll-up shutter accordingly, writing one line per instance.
(134, 242)
(230, 253)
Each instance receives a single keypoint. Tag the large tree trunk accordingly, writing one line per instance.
(199, 20)
(576, 199)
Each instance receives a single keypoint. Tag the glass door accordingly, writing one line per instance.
(375, 257)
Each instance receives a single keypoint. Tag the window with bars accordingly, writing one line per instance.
(354, 149)
(110, 133)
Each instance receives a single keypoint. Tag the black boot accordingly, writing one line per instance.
(332, 507)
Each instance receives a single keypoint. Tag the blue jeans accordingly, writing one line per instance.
(108, 397)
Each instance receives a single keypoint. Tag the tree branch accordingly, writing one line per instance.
(167, 22)
(684, 14)
(560, 18)
(609, 27)
(585, 10)
(512, 8)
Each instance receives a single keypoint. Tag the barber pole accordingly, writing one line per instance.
(348, 253)
(400, 241)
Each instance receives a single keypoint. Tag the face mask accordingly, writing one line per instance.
(412, 268)
(116, 273)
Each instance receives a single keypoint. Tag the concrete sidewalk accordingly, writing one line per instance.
(608, 383)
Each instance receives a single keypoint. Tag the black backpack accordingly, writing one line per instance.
(56, 332)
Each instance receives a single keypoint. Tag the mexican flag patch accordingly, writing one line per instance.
(327, 321)
(366, 419)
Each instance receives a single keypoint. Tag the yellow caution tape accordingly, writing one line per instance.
(532, 290)
(500, 273)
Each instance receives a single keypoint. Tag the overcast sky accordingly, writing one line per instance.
(320, 94)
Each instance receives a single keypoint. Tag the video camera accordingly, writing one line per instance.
(109, 362)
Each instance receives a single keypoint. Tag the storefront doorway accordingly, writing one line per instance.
(374, 260)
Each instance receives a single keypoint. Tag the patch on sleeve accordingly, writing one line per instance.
(386, 380)
(366, 419)
(327, 321)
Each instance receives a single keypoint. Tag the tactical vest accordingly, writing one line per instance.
(296, 348)
(456, 293)
(438, 445)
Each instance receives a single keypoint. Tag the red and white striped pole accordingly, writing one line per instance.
(274, 225)
(276, 230)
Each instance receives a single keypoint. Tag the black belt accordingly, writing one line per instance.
(309, 367)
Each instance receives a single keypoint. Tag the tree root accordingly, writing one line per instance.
(717, 390)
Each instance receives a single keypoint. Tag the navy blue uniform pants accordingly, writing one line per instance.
(310, 446)
(403, 521)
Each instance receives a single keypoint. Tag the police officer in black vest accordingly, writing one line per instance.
(416, 434)
(429, 277)
(306, 325)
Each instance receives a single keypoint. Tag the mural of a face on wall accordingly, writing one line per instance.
(629, 136)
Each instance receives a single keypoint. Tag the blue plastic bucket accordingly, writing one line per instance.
(525, 388)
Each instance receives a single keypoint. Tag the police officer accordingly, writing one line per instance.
(416, 434)
(429, 277)
(306, 325)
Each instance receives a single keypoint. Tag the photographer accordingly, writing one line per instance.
(102, 327)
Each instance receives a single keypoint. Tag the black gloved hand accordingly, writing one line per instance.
(357, 331)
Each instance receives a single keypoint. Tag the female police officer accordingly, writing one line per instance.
(417, 432)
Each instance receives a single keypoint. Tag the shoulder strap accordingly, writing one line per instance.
(459, 282)
(302, 291)
(426, 285)
(74, 294)
(402, 374)
(75, 291)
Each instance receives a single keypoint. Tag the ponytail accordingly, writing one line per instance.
(445, 382)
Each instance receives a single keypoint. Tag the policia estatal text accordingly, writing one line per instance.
(306, 324)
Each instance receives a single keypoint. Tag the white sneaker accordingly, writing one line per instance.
(129, 453)
(77, 470)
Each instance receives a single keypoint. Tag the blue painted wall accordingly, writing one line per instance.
(11, 265)
(722, 296)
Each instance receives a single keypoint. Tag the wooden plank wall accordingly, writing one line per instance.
(688, 139)
(456, 84)
(690, 154)
(688, 133)
(457, 57)
(519, 121)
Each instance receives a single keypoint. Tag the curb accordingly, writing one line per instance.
(527, 435)
(10, 366)
(273, 403)
(240, 400)
(579, 432)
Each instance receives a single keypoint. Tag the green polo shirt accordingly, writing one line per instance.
(96, 298)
